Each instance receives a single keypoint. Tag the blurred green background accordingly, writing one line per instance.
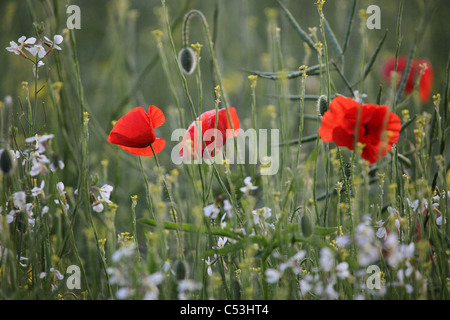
(120, 68)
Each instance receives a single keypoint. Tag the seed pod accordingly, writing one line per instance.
(6, 162)
(307, 226)
(180, 270)
(322, 105)
(187, 60)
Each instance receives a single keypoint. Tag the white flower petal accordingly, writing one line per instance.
(58, 39)
(33, 50)
(272, 275)
(31, 40)
(98, 207)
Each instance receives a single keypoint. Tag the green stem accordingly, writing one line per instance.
(174, 215)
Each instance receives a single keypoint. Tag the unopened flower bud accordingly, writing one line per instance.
(180, 270)
(187, 60)
(322, 105)
(6, 161)
(307, 226)
(39, 28)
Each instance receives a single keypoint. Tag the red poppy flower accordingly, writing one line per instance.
(135, 131)
(426, 81)
(208, 124)
(339, 122)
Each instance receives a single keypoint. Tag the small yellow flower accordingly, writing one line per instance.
(363, 15)
(112, 206)
(253, 79)
(320, 4)
(405, 114)
(197, 47)
(436, 99)
(217, 92)
(303, 70)
(157, 34)
(271, 13)
(85, 118)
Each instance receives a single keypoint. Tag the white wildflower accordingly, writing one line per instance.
(45, 209)
(228, 208)
(413, 205)
(381, 232)
(105, 193)
(38, 190)
(19, 200)
(272, 275)
(10, 216)
(342, 270)
(124, 252)
(56, 164)
(365, 239)
(439, 220)
(186, 286)
(38, 164)
(211, 211)
(326, 260)
(208, 263)
(17, 48)
(57, 39)
(293, 262)
(343, 241)
(248, 186)
(124, 293)
(60, 188)
(57, 274)
(358, 97)
(37, 50)
(221, 242)
(306, 284)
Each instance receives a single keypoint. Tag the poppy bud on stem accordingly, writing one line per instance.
(322, 105)
(307, 226)
(187, 60)
(6, 162)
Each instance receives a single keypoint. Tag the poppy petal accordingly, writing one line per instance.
(156, 116)
(234, 122)
(158, 146)
(208, 122)
(133, 130)
(338, 126)
(341, 113)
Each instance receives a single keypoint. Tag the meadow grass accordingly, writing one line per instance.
(76, 209)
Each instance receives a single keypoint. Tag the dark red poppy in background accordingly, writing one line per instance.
(208, 122)
(426, 81)
(339, 126)
(135, 131)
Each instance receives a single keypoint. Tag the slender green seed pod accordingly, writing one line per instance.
(187, 60)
